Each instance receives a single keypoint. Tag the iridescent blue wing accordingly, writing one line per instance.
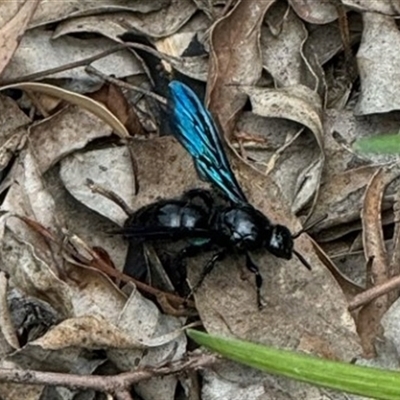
(195, 129)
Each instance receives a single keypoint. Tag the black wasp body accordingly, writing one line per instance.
(233, 224)
(196, 215)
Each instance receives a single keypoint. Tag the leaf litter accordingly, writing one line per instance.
(279, 83)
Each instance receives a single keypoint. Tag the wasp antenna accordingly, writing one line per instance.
(302, 259)
(310, 226)
(316, 222)
(297, 234)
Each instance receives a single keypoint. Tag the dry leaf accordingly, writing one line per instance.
(235, 57)
(315, 12)
(13, 30)
(378, 63)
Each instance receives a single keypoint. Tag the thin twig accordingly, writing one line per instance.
(91, 70)
(89, 60)
(376, 291)
(107, 384)
(102, 266)
(110, 195)
(66, 67)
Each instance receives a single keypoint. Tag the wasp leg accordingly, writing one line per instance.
(193, 250)
(251, 266)
(189, 251)
(135, 262)
(208, 268)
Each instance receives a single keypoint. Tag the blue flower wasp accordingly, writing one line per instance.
(235, 225)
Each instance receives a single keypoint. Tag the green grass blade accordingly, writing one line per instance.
(363, 381)
(385, 144)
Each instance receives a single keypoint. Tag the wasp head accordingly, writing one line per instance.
(280, 243)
